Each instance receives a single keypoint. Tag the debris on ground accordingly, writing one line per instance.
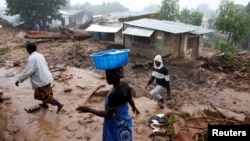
(187, 112)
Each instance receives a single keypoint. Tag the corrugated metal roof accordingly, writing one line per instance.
(102, 28)
(14, 20)
(202, 31)
(198, 29)
(138, 31)
(69, 12)
(167, 26)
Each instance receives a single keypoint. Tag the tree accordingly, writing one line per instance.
(169, 10)
(38, 10)
(66, 6)
(247, 9)
(232, 21)
(246, 43)
(194, 18)
(185, 16)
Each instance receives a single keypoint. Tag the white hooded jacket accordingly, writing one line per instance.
(160, 74)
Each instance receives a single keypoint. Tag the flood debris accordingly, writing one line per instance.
(67, 89)
(64, 33)
(3, 97)
(63, 77)
(220, 62)
(177, 125)
(190, 86)
(32, 109)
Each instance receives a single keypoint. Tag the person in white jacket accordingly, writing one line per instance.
(161, 75)
(40, 77)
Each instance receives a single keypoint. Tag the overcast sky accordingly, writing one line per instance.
(138, 5)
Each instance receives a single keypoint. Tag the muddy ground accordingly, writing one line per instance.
(216, 96)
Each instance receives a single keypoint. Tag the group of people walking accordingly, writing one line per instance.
(117, 124)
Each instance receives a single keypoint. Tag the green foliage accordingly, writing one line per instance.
(208, 44)
(38, 10)
(194, 18)
(232, 21)
(4, 50)
(185, 16)
(226, 48)
(248, 8)
(247, 65)
(170, 123)
(245, 44)
(62, 41)
(169, 10)
(212, 39)
(66, 6)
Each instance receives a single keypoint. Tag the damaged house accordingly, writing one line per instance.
(107, 32)
(108, 28)
(71, 18)
(8, 21)
(147, 37)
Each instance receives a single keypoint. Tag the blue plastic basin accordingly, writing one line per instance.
(110, 59)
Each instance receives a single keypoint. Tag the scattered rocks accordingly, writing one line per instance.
(12, 129)
(70, 134)
(79, 134)
(72, 127)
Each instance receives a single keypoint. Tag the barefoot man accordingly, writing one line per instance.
(40, 77)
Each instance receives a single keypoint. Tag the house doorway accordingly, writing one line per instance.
(193, 47)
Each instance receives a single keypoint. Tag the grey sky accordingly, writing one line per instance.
(137, 5)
